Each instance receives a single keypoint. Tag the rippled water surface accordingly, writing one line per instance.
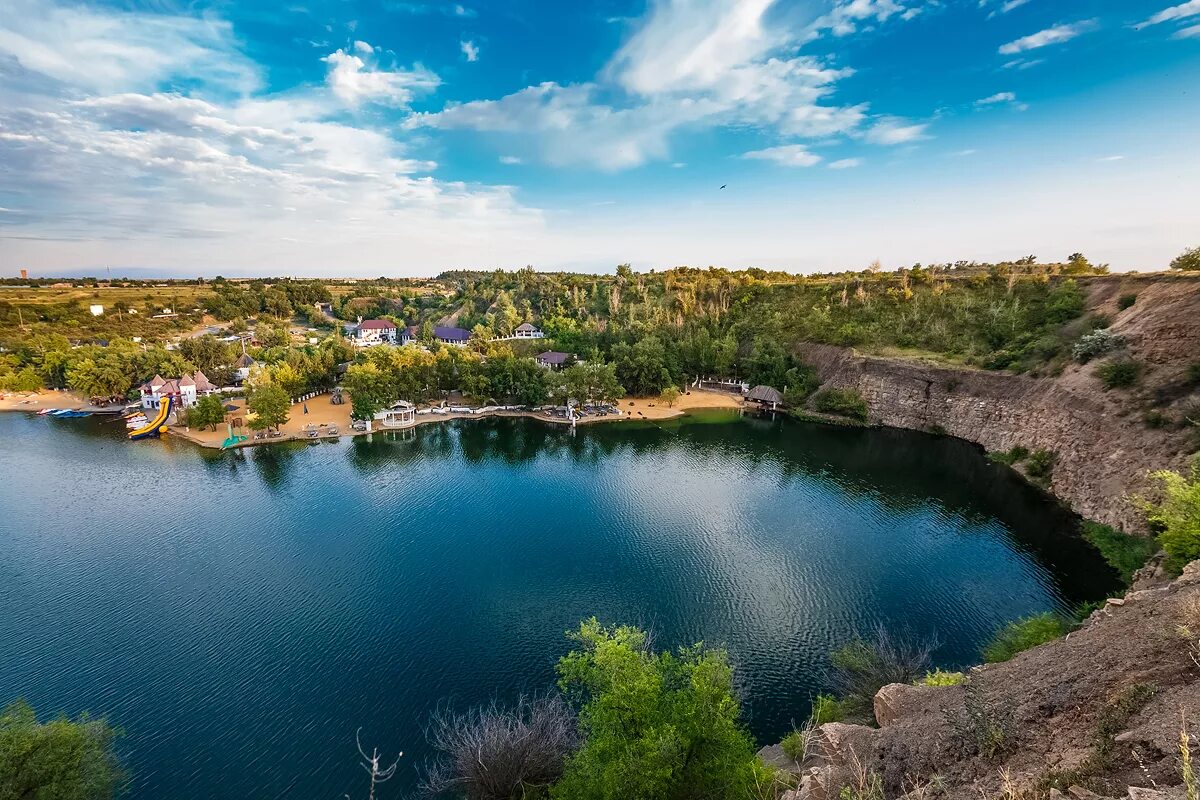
(240, 615)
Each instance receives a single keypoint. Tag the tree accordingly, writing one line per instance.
(670, 396)
(208, 411)
(206, 352)
(642, 367)
(1188, 260)
(656, 725)
(369, 388)
(58, 760)
(1177, 514)
(271, 406)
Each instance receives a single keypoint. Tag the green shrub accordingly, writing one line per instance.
(795, 745)
(1124, 553)
(1010, 457)
(655, 725)
(1023, 634)
(1040, 466)
(1126, 301)
(1095, 344)
(1177, 515)
(62, 758)
(1119, 374)
(864, 666)
(980, 728)
(826, 708)
(941, 677)
(841, 402)
(1156, 419)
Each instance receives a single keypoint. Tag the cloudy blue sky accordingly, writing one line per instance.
(391, 137)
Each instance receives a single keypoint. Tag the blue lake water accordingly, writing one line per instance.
(241, 614)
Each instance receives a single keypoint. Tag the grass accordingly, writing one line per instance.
(1124, 553)
(1040, 466)
(1014, 456)
(1022, 634)
(826, 708)
(939, 677)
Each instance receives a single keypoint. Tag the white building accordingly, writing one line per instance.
(97, 310)
(528, 331)
(401, 414)
(241, 368)
(186, 390)
(375, 331)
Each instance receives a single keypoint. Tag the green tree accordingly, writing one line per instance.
(1187, 260)
(642, 367)
(370, 390)
(656, 725)
(58, 760)
(670, 396)
(1177, 514)
(271, 406)
(206, 352)
(209, 411)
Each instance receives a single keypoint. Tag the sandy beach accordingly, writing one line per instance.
(323, 412)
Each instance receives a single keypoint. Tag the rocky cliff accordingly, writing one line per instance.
(1096, 714)
(1104, 446)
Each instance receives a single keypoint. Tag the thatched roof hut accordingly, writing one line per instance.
(767, 395)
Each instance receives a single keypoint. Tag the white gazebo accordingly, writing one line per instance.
(402, 414)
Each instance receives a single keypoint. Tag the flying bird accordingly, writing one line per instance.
(723, 185)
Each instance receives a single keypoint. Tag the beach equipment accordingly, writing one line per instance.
(156, 426)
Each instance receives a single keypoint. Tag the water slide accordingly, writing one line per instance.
(157, 425)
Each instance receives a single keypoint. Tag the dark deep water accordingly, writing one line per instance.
(241, 614)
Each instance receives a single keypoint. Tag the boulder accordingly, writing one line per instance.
(773, 756)
(1141, 793)
(896, 700)
(817, 784)
(840, 744)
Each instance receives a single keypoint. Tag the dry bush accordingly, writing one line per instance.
(499, 753)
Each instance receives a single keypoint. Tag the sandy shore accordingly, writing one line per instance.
(321, 410)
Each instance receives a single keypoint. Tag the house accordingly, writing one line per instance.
(408, 335)
(766, 396)
(554, 360)
(401, 414)
(528, 331)
(186, 390)
(324, 308)
(452, 336)
(241, 368)
(375, 331)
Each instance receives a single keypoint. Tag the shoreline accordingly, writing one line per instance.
(322, 411)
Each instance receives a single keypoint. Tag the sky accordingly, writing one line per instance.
(353, 138)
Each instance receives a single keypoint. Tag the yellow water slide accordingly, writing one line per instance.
(157, 425)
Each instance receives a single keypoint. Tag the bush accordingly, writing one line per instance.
(656, 725)
(826, 708)
(863, 667)
(1177, 515)
(1126, 301)
(795, 744)
(61, 759)
(1187, 260)
(842, 403)
(497, 753)
(1124, 553)
(1023, 634)
(1010, 457)
(1040, 466)
(1119, 374)
(1156, 419)
(981, 728)
(1095, 344)
(941, 678)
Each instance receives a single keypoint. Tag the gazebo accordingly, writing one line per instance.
(402, 414)
(766, 396)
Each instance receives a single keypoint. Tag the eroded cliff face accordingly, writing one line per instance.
(1103, 445)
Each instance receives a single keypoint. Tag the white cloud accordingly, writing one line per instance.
(469, 49)
(845, 163)
(1181, 11)
(108, 51)
(355, 81)
(1110, 159)
(363, 47)
(1005, 7)
(893, 131)
(1043, 38)
(963, 153)
(511, 160)
(789, 155)
(1190, 32)
(847, 16)
(1023, 63)
(1001, 98)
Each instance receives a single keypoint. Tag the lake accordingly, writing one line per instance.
(240, 615)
